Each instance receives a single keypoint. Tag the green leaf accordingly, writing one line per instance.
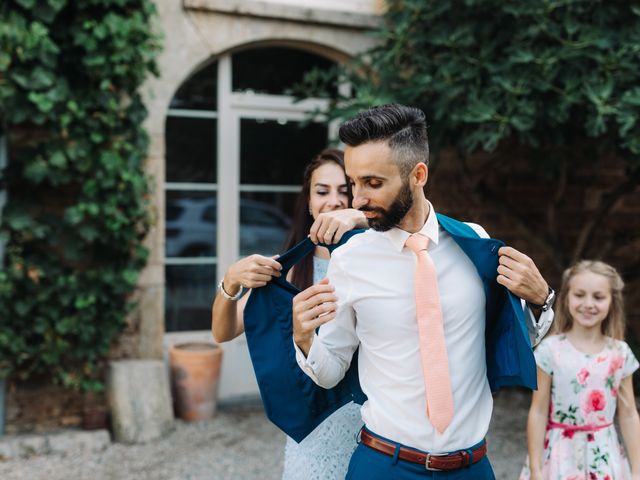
(73, 215)
(57, 159)
(28, 4)
(5, 61)
(36, 171)
(19, 220)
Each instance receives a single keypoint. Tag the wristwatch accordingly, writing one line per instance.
(224, 293)
(548, 303)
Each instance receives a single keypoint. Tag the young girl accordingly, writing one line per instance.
(584, 375)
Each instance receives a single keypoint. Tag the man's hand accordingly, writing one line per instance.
(330, 226)
(312, 307)
(251, 272)
(520, 275)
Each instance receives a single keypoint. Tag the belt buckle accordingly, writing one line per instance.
(427, 461)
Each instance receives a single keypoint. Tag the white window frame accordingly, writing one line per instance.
(231, 108)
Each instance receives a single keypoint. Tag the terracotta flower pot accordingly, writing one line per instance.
(195, 371)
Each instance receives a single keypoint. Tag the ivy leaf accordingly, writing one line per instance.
(19, 220)
(73, 215)
(28, 4)
(36, 171)
(88, 232)
(5, 61)
(41, 101)
(57, 159)
(37, 79)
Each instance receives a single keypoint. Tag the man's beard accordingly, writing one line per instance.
(391, 217)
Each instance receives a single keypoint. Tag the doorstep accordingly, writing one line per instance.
(61, 442)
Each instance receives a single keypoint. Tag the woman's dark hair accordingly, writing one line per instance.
(302, 276)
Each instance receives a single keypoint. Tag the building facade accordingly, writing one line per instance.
(228, 147)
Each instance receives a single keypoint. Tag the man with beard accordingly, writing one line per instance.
(414, 293)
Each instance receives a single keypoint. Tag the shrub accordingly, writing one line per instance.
(77, 210)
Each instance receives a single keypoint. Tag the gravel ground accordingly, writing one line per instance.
(238, 444)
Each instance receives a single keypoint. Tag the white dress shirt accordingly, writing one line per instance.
(373, 276)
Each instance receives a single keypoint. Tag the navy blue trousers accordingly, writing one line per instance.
(369, 464)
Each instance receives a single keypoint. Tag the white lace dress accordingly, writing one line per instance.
(325, 453)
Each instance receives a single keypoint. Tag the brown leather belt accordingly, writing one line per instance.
(431, 461)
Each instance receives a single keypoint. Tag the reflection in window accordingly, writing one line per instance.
(265, 220)
(191, 228)
(273, 154)
(191, 149)
(280, 69)
(199, 92)
(276, 152)
(188, 292)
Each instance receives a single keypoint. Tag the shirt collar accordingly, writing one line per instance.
(398, 237)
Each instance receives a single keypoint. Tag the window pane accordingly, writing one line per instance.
(191, 149)
(265, 219)
(200, 91)
(276, 152)
(190, 289)
(190, 224)
(280, 69)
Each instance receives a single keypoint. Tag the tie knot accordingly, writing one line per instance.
(417, 243)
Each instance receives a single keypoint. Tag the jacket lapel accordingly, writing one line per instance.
(510, 359)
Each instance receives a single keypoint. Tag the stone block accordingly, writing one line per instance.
(140, 400)
(7, 448)
(30, 445)
(76, 441)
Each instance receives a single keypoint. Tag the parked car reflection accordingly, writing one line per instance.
(191, 227)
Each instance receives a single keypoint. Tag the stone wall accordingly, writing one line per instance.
(39, 406)
(194, 33)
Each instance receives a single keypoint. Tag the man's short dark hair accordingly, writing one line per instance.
(403, 128)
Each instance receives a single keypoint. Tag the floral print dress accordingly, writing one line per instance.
(581, 442)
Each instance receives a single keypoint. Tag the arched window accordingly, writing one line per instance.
(236, 148)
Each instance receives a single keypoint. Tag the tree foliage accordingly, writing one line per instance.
(556, 82)
(543, 72)
(77, 211)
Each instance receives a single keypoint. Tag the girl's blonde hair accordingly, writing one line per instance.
(614, 323)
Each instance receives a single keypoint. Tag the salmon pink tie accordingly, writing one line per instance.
(433, 352)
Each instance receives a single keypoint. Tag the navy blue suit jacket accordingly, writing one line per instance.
(297, 405)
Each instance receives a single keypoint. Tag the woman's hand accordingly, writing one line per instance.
(329, 227)
(251, 272)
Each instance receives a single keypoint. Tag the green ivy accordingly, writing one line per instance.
(77, 209)
(543, 73)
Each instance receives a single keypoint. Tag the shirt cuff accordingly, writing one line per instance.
(310, 363)
(538, 328)
(544, 324)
